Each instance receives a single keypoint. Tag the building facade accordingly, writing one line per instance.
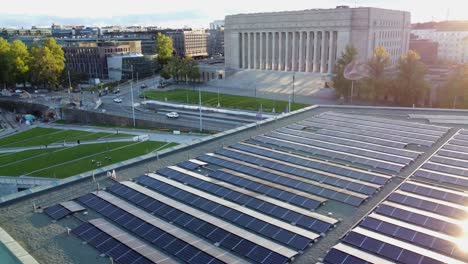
(91, 57)
(216, 42)
(426, 48)
(312, 40)
(120, 66)
(193, 43)
(451, 46)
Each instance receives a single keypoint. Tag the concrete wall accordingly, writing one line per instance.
(87, 117)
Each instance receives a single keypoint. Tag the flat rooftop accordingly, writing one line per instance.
(320, 185)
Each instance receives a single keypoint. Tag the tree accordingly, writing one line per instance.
(164, 48)
(340, 83)
(192, 69)
(411, 86)
(454, 92)
(377, 63)
(20, 61)
(5, 62)
(48, 63)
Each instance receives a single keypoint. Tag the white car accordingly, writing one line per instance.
(18, 91)
(117, 100)
(172, 115)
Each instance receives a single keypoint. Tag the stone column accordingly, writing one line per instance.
(330, 53)
(324, 51)
(245, 51)
(280, 51)
(255, 50)
(267, 53)
(301, 52)
(315, 59)
(262, 51)
(307, 64)
(286, 56)
(293, 51)
(249, 50)
(273, 51)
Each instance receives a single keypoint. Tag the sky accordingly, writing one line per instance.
(195, 13)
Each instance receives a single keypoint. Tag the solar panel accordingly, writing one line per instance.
(384, 131)
(414, 237)
(420, 219)
(341, 148)
(194, 224)
(188, 165)
(382, 123)
(151, 233)
(329, 154)
(445, 169)
(106, 244)
(242, 219)
(335, 256)
(268, 208)
(336, 126)
(439, 177)
(452, 162)
(347, 142)
(300, 172)
(435, 193)
(313, 164)
(428, 206)
(277, 179)
(386, 250)
(57, 211)
(368, 139)
(392, 121)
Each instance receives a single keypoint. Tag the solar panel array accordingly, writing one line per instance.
(253, 201)
(61, 210)
(423, 221)
(418, 223)
(450, 164)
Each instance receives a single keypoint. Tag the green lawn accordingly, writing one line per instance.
(226, 100)
(45, 136)
(37, 166)
(26, 135)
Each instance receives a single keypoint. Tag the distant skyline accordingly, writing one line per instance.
(197, 14)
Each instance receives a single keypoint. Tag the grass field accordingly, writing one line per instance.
(65, 162)
(226, 100)
(44, 136)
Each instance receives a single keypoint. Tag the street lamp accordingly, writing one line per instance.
(131, 93)
(200, 108)
(294, 78)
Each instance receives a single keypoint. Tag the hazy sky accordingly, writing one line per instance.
(195, 13)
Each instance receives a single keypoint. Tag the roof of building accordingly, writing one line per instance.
(283, 189)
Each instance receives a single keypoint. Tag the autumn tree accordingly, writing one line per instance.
(48, 63)
(340, 83)
(20, 59)
(411, 87)
(5, 62)
(377, 63)
(164, 48)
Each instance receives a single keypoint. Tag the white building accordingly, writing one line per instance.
(312, 40)
(452, 46)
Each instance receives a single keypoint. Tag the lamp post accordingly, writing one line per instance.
(200, 108)
(133, 104)
(218, 98)
(293, 83)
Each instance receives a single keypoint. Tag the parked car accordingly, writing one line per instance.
(19, 91)
(172, 115)
(117, 100)
(116, 91)
(143, 86)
